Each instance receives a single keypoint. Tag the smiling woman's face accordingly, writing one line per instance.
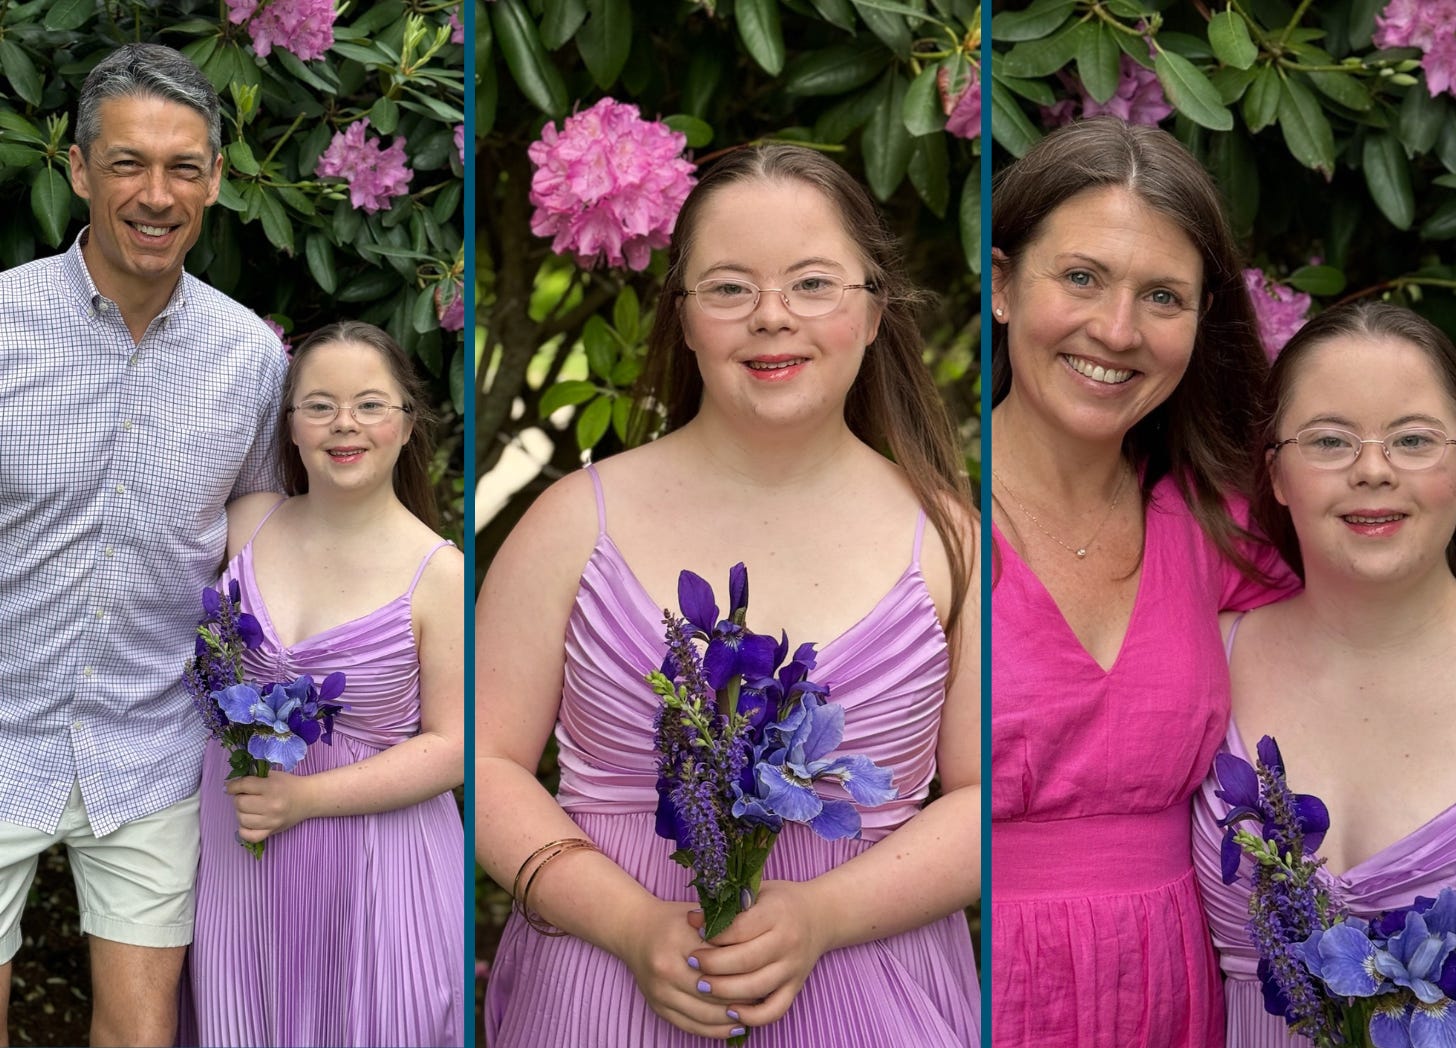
(1101, 309)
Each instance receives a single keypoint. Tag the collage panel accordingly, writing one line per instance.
(728, 271)
(1223, 512)
(232, 403)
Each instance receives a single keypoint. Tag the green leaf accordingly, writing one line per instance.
(20, 71)
(1306, 129)
(1231, 161)
(320, 255)
(530, 66)
(562, 19)
(929, 172)
(229, 196)
(1344, 89)
(240, 157)
(200, 51)
(457, 378)
(621, 417)
(1228, 35)
(1191, 47)
(70, 14)
(324, 80)
(384, 115)
(625, 372)
(1446, 145)
(835, 70)
(1190, 92)
(843, 118)
(605, 39)
(1421, 119)
(1099, 61)
(372, 285)
(276, 225)
(16, 126)
(1361, 21)
(1009, 124)
(487, 95)
(591, 424)
(600, 346)
(1442, 223)
(13, 154)
(889, 26)
(564, 394)
(627, 315)
(1039, 19)
(1261, 100)
(1231, 83)
(886, 145)
(759, 29)
(50, 202)
(365, 56)
(1388, 176)
(705, 71)
(838, 13)
(923, 113)
(699, 132)
(1035, 58)
(1318, 280)
(423, 317)
(971, 220)
(1037, 91)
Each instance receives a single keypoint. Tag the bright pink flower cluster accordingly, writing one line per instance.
(277, 329)
(963, 108)
(450, 305)
(608, 185)
(1429, 25)
(457, 30)
(305, 27)
(1138, 99)
(1280, 310)
(375, 176)
(460, 141)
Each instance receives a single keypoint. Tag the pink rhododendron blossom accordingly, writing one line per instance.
(460, 141)
(608, 185)
(277, 329)
(1429, 25)
(457, 31)
(1279, 309)
(962, 110)
(1439, 64)
(305, 27)
(1138, 99)
(450, 305)
(375, 176)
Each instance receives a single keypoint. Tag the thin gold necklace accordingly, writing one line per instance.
(1080, 552)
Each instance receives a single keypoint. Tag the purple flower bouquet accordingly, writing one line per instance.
(1334, 978)
(743, 737)
(259, 725)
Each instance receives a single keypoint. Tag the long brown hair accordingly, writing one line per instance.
(893, 405)
(412, 469)
(1200, 434)
(1375, 321)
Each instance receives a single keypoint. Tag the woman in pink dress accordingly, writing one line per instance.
(1352, 677)
(349, 930)
(787, 361)
(1124, 366)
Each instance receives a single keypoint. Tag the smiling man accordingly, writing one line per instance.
(137, 402)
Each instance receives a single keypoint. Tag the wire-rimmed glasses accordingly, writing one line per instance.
(808, 296)
(1325, 447)
(319, 412)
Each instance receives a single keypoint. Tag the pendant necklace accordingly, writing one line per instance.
(1080, 552)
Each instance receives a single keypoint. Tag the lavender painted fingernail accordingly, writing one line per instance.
(703, 986)
(732, 1015)
(737, 1031)
(693, 963)
(703, 932)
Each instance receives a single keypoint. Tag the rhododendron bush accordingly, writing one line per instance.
(1330, 128)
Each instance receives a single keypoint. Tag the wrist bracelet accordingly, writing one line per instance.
(520, 896)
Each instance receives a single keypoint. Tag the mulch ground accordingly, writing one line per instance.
(50, 1000)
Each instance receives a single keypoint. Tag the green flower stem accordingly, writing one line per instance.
(1294, 21)
(279, 144)
(1397, 284)
(1254, 29)
(1112, 21)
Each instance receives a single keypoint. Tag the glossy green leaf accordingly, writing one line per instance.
(761, 33)
(1344, 89)
(423, 317)
(320, 256)
(625, 372)
(886, 144)
(698, 132)
(1361, 21)
(627, 315)
(705, 72)
(368, 56)
(838, 13)
(1035, 58)
(605, 39)
(1388, 175)
(591, 424)
(50, 203)
(1305, 127)
(1009, 124)
(621, 417)
(567, 393)
(373, 285)
(843, 118)
(1261, 100)
(1442, 223)
(929, 171)
(835, 70)
(1231, 161)
(1228, 35)
(1040, 19)
(923, 113)
(970, 220)
(20, 71)
(240, 157)
(1190, 92)
(530, 66)
(1037, 91)
(230, 196)
(560, 21)
(324, 79)
(1099, 61)
(384, 115)
(14, 154)
(1318, 280)
(70, 14)
(1421, 118)
(275, 224)
(600, 346)
(889, 26)
(1231, 83)
(16, 126)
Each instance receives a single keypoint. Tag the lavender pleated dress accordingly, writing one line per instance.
(1421, 863)
(349, 930)
(889, 672)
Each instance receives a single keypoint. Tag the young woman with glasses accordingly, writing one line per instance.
(349, 928)
(1352, 677)
(797, 431)
(1125, 364)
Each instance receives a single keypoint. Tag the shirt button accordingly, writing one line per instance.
(103, 306)
(126, 424)
(110, 552)
(88, 671)
(100, 614)
(131, 361)
(121, 489)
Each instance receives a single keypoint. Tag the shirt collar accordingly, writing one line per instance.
(83, 288)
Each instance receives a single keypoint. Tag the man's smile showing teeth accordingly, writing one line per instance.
(1098, 373)
(151, 231)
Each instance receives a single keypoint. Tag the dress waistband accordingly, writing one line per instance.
(1090, 855)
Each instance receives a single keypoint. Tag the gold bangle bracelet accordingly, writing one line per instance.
(521, 901)
(516, 885)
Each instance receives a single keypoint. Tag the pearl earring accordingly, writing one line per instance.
(1000, 312)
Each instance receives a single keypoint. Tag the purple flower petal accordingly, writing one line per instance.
(1390, 1026)
(867, 782)
(719, 663)
(837, 821)
(1229, 857)
(237, 702)
(737, 588)
(1314, 819)
(1433, 1025)
(755, 656)
(1345, 955)
(1269, 755)
(1239, 785)
(211, 603)
(332, 687)
(304, 727)
(235, 592)
(818, 733)
(284, 750)
(249, 630)
(785, 796)
(695, 598)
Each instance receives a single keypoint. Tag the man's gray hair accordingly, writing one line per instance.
(149, 70)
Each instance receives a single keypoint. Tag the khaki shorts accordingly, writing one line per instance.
(134, 885)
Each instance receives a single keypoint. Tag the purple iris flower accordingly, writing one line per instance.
(1415, 957)
(1433, 1025)
(1390, 1024)
(771, 696)
(1240, 788)
(284, 750)
(211, 603)
(732, 650)
(1343, 957)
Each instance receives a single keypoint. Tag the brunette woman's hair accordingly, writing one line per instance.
(1200, 434)
(893, 405)
(412, 470)
(1371, 321)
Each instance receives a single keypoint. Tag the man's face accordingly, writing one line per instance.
(149, 176)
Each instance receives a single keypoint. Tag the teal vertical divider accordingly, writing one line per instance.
(468, 976)
(986, 682)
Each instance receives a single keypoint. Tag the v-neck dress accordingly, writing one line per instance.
(1098, 938)
(889, 672)
(1421, 863)
(350, 929)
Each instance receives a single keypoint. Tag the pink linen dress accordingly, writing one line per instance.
(889, 671)
(1098, 938)
(1421, 863)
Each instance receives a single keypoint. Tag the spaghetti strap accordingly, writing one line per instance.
(425, 563)
(271, 510)
(1228, 642)
(601, 500)
(919, 539)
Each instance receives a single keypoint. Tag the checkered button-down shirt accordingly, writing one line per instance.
(116, 462)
